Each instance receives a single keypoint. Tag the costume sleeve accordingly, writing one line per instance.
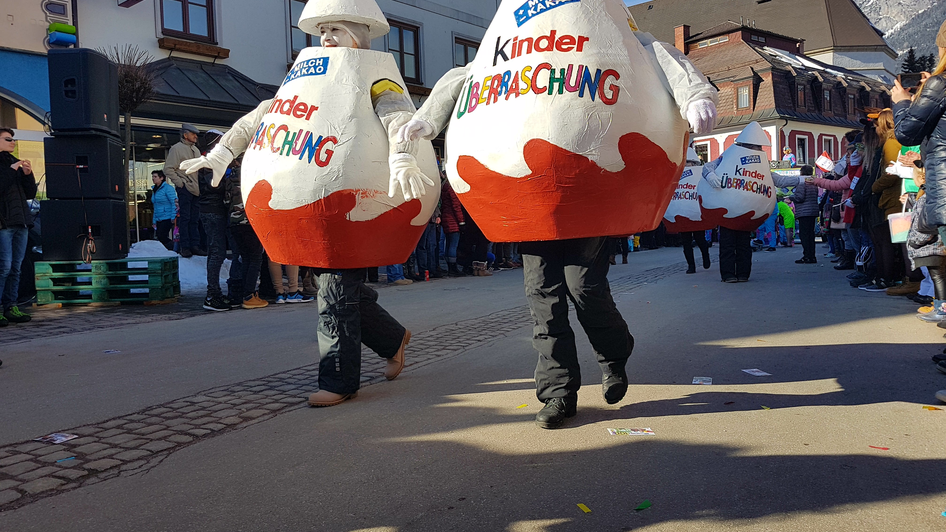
(782, 181)
(681, 76)
(394, 107)
(439, 106)
(241, 134)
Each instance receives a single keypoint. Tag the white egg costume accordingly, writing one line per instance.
(748, 193)
(684, 214)
(315, 175)
(565, 126)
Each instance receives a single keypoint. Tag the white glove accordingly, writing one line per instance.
(702, 116)
(218, 159)
(714, 180)
(406, 174)
(415, 129)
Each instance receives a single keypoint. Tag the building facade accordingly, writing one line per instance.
(214, 60)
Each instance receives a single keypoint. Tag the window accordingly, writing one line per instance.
(757, 38)
(801, 96)
(827, 145)
(714, 40)
(742, 98)
(404, 46)
(851, 109)
(190, 19)
(703, 151)
(801, 151)
(300, 39)
(827, 101)
(463, 52)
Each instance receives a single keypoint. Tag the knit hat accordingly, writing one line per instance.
(941, 36)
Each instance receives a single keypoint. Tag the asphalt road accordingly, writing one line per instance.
(834, 439)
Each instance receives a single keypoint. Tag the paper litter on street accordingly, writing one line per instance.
(631, 432)
(702, 380)
(111, 351)
(643, 506)
(584, 508)
(756, 372)
(57, 437)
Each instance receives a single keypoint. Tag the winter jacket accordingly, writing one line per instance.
(164, 199)
(179, 153)
(451, 215)
(212, 198)
(934, 245)
(788, 217)
(887, 185)
(924, 119)
(235, 199)
(806, 200)
(16, 188)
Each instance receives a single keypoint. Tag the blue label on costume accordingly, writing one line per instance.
(536, 7)
(686, 174)
(309, 67)
(751, 159)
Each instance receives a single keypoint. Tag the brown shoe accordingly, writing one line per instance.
(396, 363)
(327, 398)
(904, 289)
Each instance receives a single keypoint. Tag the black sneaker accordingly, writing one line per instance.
(939, 358)
(233, 302)
(730, 280)
(555, 411)
(216, 303)
(4, 322)
(941, 366)
(13, 315)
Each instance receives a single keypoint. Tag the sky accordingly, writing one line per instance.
(635, 2)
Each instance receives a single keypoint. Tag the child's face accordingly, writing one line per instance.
(335, 37)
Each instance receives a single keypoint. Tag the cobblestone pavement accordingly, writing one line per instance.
(134, 443)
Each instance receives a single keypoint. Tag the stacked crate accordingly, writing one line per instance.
(138, 280)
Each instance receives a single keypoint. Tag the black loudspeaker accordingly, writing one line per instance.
(65, 230)
(83, 91)
(84, 166)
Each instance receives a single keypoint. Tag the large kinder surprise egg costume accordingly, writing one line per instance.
(318, 187)
(683, 216)
(569, 126)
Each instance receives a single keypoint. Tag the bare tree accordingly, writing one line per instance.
(135, 85)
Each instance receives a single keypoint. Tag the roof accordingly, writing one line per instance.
(742, 60)
(730, 27)
(208, 93)
(823, 24)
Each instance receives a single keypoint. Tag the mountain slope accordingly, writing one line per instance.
(907, 23)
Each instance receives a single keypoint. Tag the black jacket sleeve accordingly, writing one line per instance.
(916, 121)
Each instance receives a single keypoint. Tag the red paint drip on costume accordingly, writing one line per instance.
(321, 235)
(569, 196)
(686, 225)
(745, 222)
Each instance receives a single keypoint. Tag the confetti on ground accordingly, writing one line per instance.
(931, 408)
(879, 448)
(584, 508)
(522, 406)
(66, 459)
(643, 506)
(729, 403)
(766, 407)
(56, 437)
(702, 380)
(631, 432)
(111, 351)
(756, 372)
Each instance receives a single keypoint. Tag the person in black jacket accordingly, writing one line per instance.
(213, 218)
(17, 186)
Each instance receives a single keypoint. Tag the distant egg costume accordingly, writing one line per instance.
(563, 127)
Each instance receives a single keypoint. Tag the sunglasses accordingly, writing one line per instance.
(9, 139)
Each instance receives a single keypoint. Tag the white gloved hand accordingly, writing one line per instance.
(218, 159)
(702, 116)
(406, 174)
(415, 129)
(714, 180)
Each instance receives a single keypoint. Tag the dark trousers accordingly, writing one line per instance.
(189, 219)
(349, 315)
(215, 225)
(735, 254)
(621, 247)
(427, 251)
(806, 230)
(251, 257)
(687, 239)
(163, 233)
(885, 253)
(576, 270)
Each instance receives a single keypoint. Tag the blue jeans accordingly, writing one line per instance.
(188, 225)
(12, 251)
(453, 241)
(426, 252)
(395, 272)
(215, 225)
